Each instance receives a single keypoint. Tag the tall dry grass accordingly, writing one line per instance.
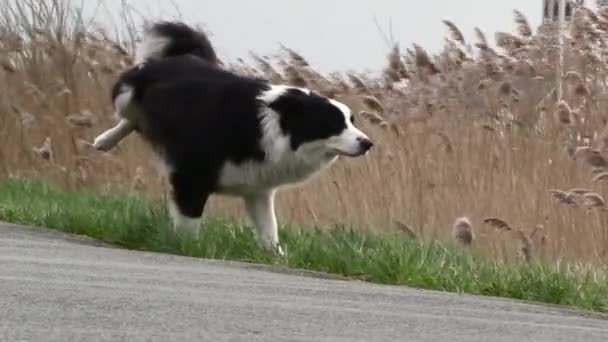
(473, 132)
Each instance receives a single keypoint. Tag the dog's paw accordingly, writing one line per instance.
(103, 144)
(276, 248)
(273, 247)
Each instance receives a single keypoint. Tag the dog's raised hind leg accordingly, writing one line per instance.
(110, 138)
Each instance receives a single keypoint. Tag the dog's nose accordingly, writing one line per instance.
(365, 144)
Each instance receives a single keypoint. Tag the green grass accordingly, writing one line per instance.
(135, 222)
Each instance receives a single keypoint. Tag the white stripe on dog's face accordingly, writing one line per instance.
(352, 141)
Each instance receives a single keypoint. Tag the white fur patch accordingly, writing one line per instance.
(152, 47)
(276, 91)
(274, 143)
(123, 106)
(252, 177)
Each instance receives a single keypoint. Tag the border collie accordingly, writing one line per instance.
(221, 133)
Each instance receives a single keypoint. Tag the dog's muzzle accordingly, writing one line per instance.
(364, 145)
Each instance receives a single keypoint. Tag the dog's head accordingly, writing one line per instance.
(316, 124)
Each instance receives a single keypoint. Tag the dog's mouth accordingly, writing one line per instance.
(336, 152)
(331, 154)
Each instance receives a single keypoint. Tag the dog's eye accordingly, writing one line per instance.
(352, 119)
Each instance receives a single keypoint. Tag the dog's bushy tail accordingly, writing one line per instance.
(166, 39)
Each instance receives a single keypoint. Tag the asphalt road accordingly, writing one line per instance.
(57, 287)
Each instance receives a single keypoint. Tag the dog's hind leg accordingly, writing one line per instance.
(110, 138)
(128, 116)
(261, 210)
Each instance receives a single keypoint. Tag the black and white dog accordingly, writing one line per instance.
(221, 133)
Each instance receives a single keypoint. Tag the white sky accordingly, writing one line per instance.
(337, 35)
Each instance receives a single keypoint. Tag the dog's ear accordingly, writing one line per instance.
(291, 102)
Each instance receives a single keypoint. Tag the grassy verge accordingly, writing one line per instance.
(134, 222)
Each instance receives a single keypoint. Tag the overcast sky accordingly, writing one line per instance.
(338, 35)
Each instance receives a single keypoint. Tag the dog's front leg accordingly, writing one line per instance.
(189, 194)
(108, 139)
(260, 208)
(183, 225)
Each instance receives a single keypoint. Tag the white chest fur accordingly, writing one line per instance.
(253, 177)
